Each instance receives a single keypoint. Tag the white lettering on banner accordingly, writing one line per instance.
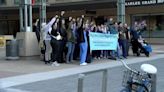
(100, 41)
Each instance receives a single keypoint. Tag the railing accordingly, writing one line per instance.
(104, 79)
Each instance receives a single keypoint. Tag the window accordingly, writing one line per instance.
(160, 1)
(16, 2)
(155, 25)
(2, 2)
(37, 1)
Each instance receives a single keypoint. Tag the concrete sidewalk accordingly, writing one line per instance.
(29, 65)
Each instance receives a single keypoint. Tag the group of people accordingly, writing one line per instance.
(68, 39)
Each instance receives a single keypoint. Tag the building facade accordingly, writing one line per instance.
(152, 11)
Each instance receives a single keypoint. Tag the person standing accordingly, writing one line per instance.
(113, 29)
(127, 33)
(55, 38)
(122, 39)
(46, 28)
(83, 43)
(134, 39)
(62, 31)
(71, 39)
(36, 29)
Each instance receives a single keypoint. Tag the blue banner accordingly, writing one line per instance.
(100, 41)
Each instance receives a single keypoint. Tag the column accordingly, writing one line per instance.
(30, 15)
(25, 16)
(21, 15)
(42, 12)
(121, 11)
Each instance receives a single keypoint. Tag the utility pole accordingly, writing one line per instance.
(121, 11)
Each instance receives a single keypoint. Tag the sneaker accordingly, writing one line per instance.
(55, 64)
(67, 62)
(94, 58)
(83, 64)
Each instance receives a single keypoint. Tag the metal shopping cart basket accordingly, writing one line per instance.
(132, 78)
(135, 80)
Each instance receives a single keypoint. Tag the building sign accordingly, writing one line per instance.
(100, 41)
(148, 2)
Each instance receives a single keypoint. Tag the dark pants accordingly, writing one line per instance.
(38, 36)
(134, 46)
(61, 51)
(96, 53)
(76, 53)
(55, 50)
(122, 43)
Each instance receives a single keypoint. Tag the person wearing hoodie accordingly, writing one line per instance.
(46, 28)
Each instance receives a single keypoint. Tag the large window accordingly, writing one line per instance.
(36, 1)
(3, 28)
(2, 2)
(160, 1)
(155, 25)
(9, 27)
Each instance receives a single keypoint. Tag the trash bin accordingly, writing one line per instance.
(12, 49)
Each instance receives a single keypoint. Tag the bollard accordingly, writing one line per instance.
(80, 82)
(154, 82)
(152, 71)
(105, 80)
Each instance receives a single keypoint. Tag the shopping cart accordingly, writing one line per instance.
(136, 81)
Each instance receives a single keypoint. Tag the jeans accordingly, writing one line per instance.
(48, 50)
(83, 52)
(123, 43)
(71, 47)
(116, 53)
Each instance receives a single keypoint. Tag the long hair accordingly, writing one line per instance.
(54, 30)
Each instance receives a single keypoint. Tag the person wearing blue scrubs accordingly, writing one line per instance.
(83, 50)
(83, 43)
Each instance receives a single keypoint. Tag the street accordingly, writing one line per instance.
(92, 83)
